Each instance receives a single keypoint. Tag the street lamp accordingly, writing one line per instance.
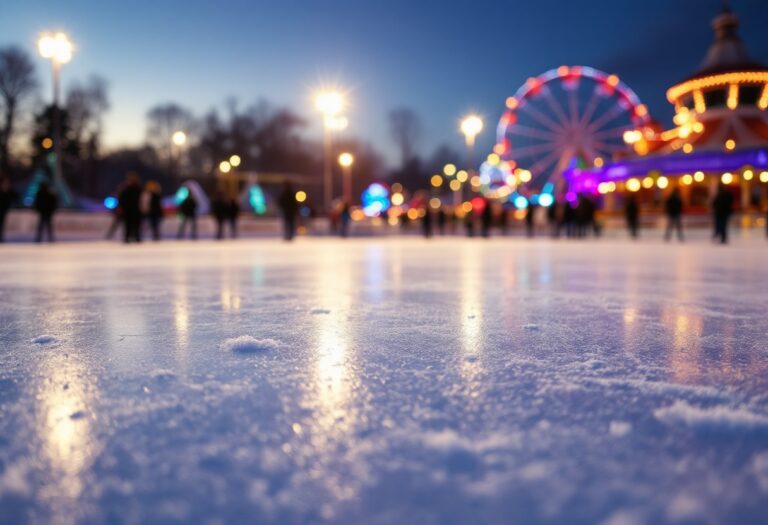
(471, 126)
(345, 161)
(179, 138)
(329, 104)
(57, 48)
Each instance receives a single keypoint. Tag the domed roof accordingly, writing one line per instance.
(727, 53)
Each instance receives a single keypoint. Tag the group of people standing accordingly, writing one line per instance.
(722, 209)
(135, 205)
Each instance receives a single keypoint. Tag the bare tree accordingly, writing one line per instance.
(405, 129)
(17, 81)
(85, 106)
(162, 122)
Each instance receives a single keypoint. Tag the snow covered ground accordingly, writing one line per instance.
(384, 381)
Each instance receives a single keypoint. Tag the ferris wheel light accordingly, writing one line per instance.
(633, 136)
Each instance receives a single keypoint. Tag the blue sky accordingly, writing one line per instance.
(441, 58)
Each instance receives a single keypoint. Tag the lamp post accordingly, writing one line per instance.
(179, 139)
(471, 126)
(329, 104)
(57, 48)
(345, 161)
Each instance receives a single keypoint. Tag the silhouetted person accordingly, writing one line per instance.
(45, 204)
(552, 219)
(569, 219)
(7, 198)
(233, 214)
(442, 219)
(722, 206)
(426, 223)
(632, 213)
(345, 216)
(530, 214)
(469, 223)
(288, 208)
(582, 216)
(673, 207)
(486, 219)
(152, 207)
(129, 204)
(188, 211)
(504, 221)
(220, 212)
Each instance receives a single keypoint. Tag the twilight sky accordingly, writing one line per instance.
(441, 58)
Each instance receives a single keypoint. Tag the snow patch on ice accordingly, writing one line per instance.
(531, 327)
(319, 311)
(44, 340)
(246, 344)
(717, 417)
(620, 428)
(760, 470)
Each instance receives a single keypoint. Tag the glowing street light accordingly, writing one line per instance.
(345, 161)
(470, 127)
(179, 138)
(225, 166)
(57, 48)
(235, 160)
(329, 104)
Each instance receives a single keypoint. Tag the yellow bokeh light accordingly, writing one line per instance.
(764, 176)
(434, 203)
(397, 199)
(748, 174)
(413, 214)
(225, 166)
(235, 160)
(436, 181)
(466, 207)
(687, 179)
(730, 144)
(687, 148)
(179, 138)
(455, 185)
(346, 160)
(475, 180)
(727, 178)
(599, 162)
(301, 196)
(633, 185)
(648, 182)
(449, 170)
(493, 158)
(47, 143)
(698, 176)
(462, 176)
(662, 182)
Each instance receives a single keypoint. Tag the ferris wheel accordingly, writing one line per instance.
(567, 117)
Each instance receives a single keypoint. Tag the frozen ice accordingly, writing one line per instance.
(384, 381)
(44, 340)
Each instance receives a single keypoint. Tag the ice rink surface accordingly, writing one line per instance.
(384, 381)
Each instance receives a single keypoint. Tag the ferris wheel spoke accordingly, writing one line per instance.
(589, 109)
(618, 131)
(573, 108)
(613, 148)
(605, 118)
(527, 131)
(555, 106)
(535, 149)
(541, 118)
(538, 167)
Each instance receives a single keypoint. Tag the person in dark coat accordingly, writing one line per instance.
(7, 198)
(426, 222)
(529, 224)
(130, 207)
(152, 207)
(345, 216)
(188, 212)
(233, 214)
(673, 207)
(469, 223)
(722, 206)
(288, 207)
(220, 212)
(486, 219)
(442, 219)
(45, 204)
(632, 213)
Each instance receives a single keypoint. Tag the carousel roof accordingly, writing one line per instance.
(727, 53)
